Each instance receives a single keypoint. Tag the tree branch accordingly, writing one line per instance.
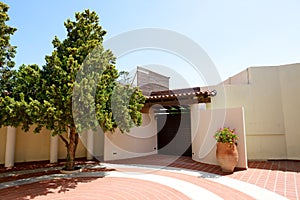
(76, 141)
(64, 140)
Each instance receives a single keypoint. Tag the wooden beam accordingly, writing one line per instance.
(182, 102)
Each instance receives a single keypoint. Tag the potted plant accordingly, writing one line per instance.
(226, 153)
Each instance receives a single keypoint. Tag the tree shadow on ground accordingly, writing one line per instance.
(43, 188)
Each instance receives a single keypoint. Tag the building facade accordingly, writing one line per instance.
(270, 104)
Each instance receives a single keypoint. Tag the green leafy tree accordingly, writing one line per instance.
(76, 90)
(7, 51)
(20, 106)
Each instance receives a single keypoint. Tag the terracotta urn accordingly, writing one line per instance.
(227, 156)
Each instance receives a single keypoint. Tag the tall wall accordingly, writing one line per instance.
(2, 144)
(270, 98)
(98, 146)
(203, 127)
(140, 141)
(290, 97)
(34, 147)
(109, 146)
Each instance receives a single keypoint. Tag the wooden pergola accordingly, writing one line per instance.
(178, 98)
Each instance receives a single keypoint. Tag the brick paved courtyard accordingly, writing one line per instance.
(164, 177)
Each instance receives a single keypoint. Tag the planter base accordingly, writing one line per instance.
(75, 170)
(227, 156)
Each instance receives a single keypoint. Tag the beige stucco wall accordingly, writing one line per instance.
(140, 141)
(203, 127)
(2, 144)
(97, 148)
(271, 103)
(290, 97)
(34, 147)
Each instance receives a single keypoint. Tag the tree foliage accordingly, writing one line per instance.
(20, 107)
(76, 90)
(7, 51)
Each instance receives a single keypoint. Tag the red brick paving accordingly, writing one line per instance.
(124, 188)
(282, 177)
(93, 188)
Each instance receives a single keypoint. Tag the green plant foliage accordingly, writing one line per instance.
(7, 52)
(226, 135)
(21, 106)
(75, 91)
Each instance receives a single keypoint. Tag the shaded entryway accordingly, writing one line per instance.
(174, 134)
(172, 108)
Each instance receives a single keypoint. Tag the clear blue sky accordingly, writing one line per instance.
(235, 34)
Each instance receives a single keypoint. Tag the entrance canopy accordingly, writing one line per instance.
(178, 98)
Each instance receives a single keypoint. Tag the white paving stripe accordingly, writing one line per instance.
(247, 188)
(190, 190)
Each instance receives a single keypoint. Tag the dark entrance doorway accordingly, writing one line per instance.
(172, 109)
(174, 134)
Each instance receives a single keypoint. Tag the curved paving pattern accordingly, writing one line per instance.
(235, 189)
(100, 188)
(279, 176)
(134, 182)
(149, 178)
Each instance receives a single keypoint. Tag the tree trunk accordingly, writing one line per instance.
(71, 149)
